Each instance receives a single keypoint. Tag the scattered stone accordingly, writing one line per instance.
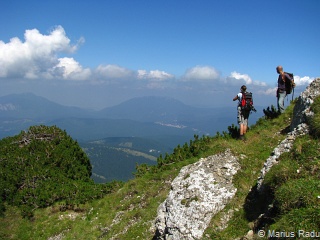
(57, 237)
(249, 235)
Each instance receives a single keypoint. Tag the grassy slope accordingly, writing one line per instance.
(130, 212)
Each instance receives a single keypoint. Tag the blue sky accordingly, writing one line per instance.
(95, 54)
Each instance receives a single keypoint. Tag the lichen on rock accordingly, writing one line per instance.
(199, 191)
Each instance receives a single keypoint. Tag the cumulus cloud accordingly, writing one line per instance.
(155, 79)
(154, 75)
(240, 76)
(299, 81)
(246, 78)
(36, 57)
(71, 69)
(201, 73)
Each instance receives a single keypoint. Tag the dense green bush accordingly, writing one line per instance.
(234, 131)
(42, 166)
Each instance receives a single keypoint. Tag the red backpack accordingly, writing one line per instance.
(247, 102)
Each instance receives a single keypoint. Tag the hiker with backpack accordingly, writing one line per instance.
(245, 106)
(285, 86)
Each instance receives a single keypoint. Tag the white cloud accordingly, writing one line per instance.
(113, 72)
(71, 69)
(201, 73)
(154, 79)
(259, 83)
(154, 75)
(40, 44)
(240, 76)
(269, 91)
(299, 81)
(246, 78)
(36, 57)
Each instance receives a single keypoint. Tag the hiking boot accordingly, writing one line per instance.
(242, 137)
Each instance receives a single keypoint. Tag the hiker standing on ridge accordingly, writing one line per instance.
(243, 115)
(281, 91)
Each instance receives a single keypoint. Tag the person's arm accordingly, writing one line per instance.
(235, 98)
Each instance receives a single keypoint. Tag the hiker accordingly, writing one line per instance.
(281, 91)
(243, 114)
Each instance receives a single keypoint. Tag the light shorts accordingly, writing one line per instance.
(242, 118)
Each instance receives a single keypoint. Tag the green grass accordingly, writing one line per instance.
(315, 121)
(297, 193)
(129, 212)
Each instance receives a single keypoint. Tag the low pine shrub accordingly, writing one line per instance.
(271, 112)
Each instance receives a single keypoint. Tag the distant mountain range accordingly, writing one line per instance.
(145, 116)
(166, 122)
(30, 106)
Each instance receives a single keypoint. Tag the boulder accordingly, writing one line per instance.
(302, 111)
(199, 191)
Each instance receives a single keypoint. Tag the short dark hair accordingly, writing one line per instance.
(244, 88)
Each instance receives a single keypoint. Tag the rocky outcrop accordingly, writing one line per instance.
(302, 111)
(299, 126)
(199, 191)
(284, 146)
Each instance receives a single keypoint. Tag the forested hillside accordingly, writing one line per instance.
(42, 166)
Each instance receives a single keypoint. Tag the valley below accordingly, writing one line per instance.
(118, 138)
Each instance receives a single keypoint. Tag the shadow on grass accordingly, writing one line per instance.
(259, 207)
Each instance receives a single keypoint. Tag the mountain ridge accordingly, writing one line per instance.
(29, 105)
(164, 111)
(149, 108)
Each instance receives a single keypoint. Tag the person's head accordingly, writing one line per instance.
(243, 88)
(279, 69)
